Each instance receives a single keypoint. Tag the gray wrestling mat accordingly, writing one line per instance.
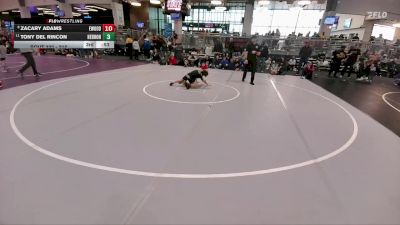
(123, 147)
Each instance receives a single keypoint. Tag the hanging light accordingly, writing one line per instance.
(304, 2)
(136, 4)
(216, 2)
(96, 7)
(155, 2)
(39, 8)
(263, 2)
(220, 8)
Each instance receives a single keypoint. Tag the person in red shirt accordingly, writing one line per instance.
(204, 66)
(172, 60)
(308, 71)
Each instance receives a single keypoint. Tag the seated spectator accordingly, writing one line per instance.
(231, 65)
(225, 63)
(268, 64)
(217, 61)
(237, 64)
(186, 62)
(308, 71)
(275, 68)
(173, 61)
(291, 63)
(155, 56)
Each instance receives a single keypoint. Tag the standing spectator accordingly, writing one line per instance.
(379, 39)
(368, 60)
(231, 47)
(218, 46)
(3, 53)
(136, 48)
(146, 47)
(30, 62)
(251, 61)
(128, 45)
(304, 54)
(337, 58)
(352, 58)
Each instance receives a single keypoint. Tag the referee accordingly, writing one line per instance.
(251, 61)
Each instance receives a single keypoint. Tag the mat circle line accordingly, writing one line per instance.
(185, 102)
(44, 151)
(56, 71)
(387, 102)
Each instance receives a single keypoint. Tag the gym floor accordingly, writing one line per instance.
(123, 147)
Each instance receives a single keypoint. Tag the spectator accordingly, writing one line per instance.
(292, 63)
(231, 47)
(304, 54)
(337, 57)
(30, 62)
(225, 63)
(3, 54)
(136, 48)
(128, 45)
(146, 47)
(308, 71)
(218, 46)
(355, 37)
(173, 61)
(352, 58)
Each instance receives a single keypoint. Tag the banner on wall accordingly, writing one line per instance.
(167, 30)
(118, 14)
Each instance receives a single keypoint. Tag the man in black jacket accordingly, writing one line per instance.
(304, 54)
(352, 58)
(337, 57)
(251, 61)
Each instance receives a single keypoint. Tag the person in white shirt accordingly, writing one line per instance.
(136, 48)
(292, 63)
(30, 62)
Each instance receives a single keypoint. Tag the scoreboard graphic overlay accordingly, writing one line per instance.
(63, 33)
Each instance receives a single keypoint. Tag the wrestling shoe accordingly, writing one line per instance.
(187, 85)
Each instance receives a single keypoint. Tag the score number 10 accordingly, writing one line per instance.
(108, 32)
